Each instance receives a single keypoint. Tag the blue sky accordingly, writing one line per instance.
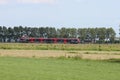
(60, 13)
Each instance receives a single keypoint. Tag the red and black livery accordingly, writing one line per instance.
(50, 40)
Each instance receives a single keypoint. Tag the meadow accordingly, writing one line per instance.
(68, 47)
(12, 68)
(34, 61)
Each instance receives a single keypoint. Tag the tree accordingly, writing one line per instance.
(42, 31)
(110, 34)
(93, 34)
(72, 32)
(82, 33)
(63, 33)
(1, 34)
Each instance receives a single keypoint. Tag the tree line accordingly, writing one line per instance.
(13, 34)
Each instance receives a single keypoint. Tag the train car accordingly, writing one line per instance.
(50, 40)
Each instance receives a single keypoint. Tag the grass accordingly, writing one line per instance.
(57, 69)
(68, 47)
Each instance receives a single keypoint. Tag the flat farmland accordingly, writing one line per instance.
(93, 55)
(68, 47)
(25, 61)
(83, 51)
(57, 69)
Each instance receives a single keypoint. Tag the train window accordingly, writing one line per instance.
(60, 41)
(68, 40)
(37, 40)
(49, 40)
(74, 41)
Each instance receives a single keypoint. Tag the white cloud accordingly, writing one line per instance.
(36, 1)
(2, 2)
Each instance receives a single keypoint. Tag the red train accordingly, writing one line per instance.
(50, 40)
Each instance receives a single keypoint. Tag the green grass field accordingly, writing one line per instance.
(57, 69)
(78, 47)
